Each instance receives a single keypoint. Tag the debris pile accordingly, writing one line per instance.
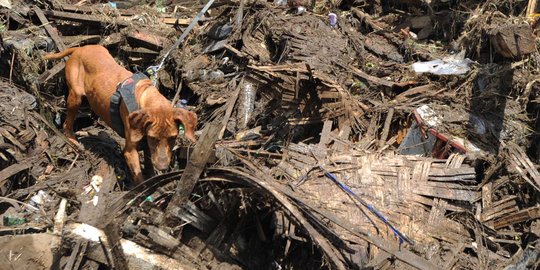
(332, 135)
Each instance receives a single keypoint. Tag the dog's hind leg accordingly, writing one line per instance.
(74, 99)
(73, 105)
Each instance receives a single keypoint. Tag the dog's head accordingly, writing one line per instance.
(160, 126)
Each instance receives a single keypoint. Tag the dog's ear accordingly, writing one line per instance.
(189, 120)
(138, 123)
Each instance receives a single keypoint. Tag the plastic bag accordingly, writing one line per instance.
(447, 66)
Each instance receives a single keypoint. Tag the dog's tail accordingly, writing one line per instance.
(59, 55)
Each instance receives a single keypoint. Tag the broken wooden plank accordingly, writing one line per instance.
(532, 7)
(60, 217)
(137, 257)
(325, 134)
(113, 245)
(107, 10)
(139, 51)
(59, 45)
(520, 216)
(172, 21)
(230, 106)
(75, 254)
(83, 18)
(370, 78)
(486, 195)
(437, 212)
(499, 208)
(14, 169)
(160, 237)
(386, 128)
(445, 193)
(48, 74)
(196, 164)
(426, 201)
(74, 41)
(340, 143)
(141, 38)
(50, 30)
(523, 165)
(124, 13)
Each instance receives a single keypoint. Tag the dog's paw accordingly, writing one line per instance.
(73, 140)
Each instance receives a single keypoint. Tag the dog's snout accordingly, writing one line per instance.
(162, 163)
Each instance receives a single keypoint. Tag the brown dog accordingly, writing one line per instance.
(92, 72)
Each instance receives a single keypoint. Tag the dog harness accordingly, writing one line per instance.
(124, 91)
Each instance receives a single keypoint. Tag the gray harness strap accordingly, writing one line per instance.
(124, 91)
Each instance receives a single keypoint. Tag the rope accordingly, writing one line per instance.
(153, 70)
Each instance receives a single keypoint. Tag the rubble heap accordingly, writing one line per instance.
(332, 135)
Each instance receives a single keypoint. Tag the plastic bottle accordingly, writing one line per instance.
(247, 103)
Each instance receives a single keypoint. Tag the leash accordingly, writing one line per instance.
(371, 208)
(153, 70)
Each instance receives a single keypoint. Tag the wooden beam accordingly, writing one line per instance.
(83, 18)
(121, 21)
(370, 78)
(230, 106)
(59, 45)
(139, 51)
(14, 169)
(386, 129)
(73, 41)
(196, 164)
(446, 193)
(520, 216)
(50, 30)
(141, 38)
(48, 74)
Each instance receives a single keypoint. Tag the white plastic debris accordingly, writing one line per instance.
(95, 200)
(95, 184)
(429, 116)
(453, 65)
(39, 199)
(93, 188)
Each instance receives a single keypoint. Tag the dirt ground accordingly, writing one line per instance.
(31, 251)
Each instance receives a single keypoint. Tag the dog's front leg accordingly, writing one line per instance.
(148, 165)
(132, 160)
